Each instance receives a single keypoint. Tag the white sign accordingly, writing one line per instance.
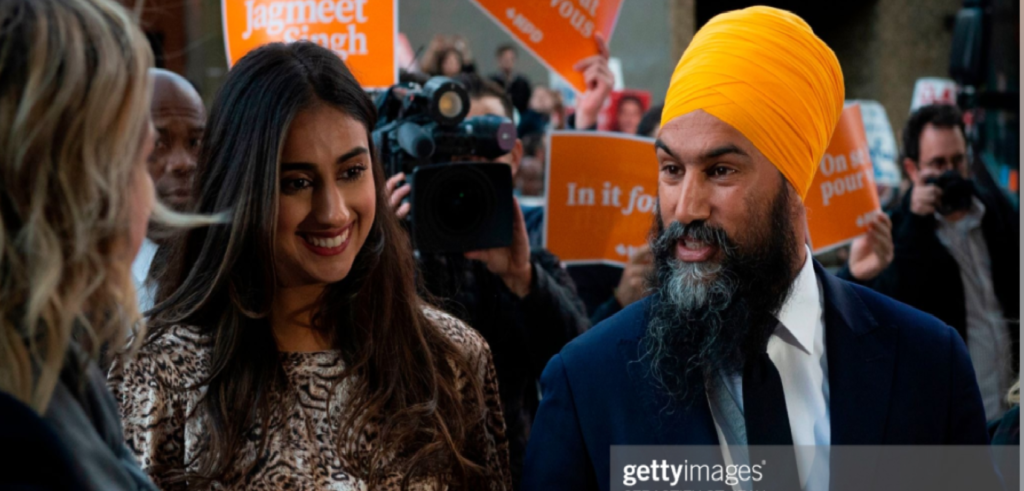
(881, 142)
(933, 90)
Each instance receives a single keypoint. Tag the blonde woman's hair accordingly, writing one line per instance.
(1014, 396)
(74, 112)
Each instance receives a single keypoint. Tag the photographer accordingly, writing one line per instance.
(956, 246)
(522, 301)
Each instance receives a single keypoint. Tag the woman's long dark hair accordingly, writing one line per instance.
(221, 280)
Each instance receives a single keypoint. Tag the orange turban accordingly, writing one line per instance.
(764, 72)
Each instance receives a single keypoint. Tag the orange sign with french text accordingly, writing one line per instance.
(843, 196)
(361, 32)
(558, 32)
(602, 189)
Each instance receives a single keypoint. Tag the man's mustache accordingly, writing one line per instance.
(697, 230)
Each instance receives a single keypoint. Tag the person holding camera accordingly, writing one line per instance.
(956, 246)
(519, 298)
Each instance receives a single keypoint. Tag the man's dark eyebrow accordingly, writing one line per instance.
(723, 150)
(715, 153)
(660, 144)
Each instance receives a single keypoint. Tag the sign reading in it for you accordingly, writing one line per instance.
(601, 195)
(361, 32)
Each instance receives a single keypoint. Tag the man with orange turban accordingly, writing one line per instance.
(748, 341)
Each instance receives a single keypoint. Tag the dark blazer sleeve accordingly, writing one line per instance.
(556, 457)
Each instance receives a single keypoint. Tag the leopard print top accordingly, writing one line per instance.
(302, 451)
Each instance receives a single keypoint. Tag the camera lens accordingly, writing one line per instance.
(449, 104)
(447, 101)
(463, 198)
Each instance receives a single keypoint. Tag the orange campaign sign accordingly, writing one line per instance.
(601, 194)
(361, 32)
(558, 32)
(843, 196)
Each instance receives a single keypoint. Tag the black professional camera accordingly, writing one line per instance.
(957, 192)
(456, 207)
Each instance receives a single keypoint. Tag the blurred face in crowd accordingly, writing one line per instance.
(941, 149)
(482, 106)
(141, 195)
(729, 243)
(542, 100)
(629, 115)
(179, 118)
(507, 61)
(452, 64)
(326, 203)
(530, 179)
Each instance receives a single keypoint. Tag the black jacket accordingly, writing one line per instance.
(924, 274)
(523, 333)
(78, 444)
(518, 89)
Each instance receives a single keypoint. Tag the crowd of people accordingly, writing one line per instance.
(227, 298)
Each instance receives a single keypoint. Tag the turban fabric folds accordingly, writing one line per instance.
(764, 72)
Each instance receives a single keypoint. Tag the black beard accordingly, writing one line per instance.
(708, 318)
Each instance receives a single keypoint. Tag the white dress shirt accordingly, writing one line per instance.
(144, 289)
(797, 348)
(988, 339)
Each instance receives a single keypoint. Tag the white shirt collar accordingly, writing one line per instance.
(801, 313)
(143, 261)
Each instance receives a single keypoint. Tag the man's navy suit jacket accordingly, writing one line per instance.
(897, 376)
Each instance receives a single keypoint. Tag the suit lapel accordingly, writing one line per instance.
(861, 361)
(668, 422)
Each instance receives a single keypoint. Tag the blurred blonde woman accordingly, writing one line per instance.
(1005, 430)
(75, 199)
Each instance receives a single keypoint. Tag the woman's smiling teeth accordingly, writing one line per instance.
(328, 242)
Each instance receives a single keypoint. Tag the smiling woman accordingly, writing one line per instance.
(326, 207)
(299, 319)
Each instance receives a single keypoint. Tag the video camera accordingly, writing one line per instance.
(456, 207)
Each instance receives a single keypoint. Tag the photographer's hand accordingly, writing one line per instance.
(599, 80)
(462, 46)
(872, 252)
(924, 199)
(631, 285)
(511, 263)
(397, 193)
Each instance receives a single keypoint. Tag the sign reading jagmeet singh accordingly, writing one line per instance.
(361, 32)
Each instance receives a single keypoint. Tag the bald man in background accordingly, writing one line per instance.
(747, 341)
(179, 119)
